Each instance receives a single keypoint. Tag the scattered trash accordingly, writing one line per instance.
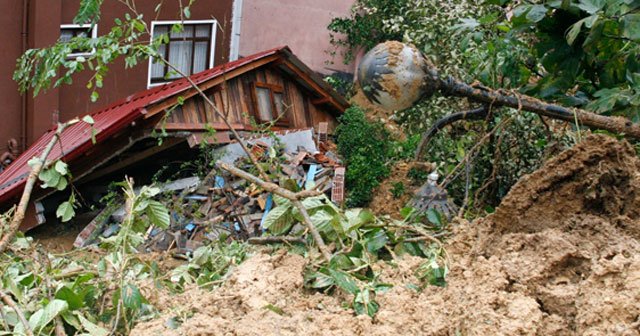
(223, 206)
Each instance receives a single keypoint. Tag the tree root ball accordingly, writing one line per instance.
(392, 75)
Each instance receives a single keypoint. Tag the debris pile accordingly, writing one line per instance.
(561, 256)
(221, 205)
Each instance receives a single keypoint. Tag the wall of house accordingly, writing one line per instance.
(11, 23)
(236, 99)
(44, 20)
(300, 24)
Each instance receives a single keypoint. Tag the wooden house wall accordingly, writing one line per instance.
(236, 98)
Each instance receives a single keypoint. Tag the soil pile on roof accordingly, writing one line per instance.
(559, 257)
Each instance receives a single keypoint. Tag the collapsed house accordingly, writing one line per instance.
(148, 130)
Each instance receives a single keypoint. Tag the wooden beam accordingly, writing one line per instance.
(220, 126)
(196, 139)
(304, 76)
(219, 79)
(166, 144)
(319, 101)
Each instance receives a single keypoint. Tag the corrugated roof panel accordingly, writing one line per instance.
(75, 139)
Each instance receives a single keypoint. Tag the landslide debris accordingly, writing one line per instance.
(559, 257)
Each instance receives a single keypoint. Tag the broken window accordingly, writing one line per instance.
(269, 104)
(190, 49)
(69, 31)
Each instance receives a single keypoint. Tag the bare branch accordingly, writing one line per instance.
(9, 302)
(40, 164)
(290, 195)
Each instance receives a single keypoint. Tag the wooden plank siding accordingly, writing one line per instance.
(236, 98)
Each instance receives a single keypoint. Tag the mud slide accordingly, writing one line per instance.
(560, 256)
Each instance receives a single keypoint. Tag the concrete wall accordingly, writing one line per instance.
(300, 24)
(43, 21)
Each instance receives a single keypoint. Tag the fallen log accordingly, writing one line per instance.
(394, 76)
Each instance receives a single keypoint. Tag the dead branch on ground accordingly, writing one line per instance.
(38, 165)
(294, 197)
(9, 302)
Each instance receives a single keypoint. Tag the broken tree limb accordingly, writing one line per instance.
(453, 87)
(37, 167)
(294, 197)
(475, 114)
(268, 186)
(9, 302)
(411, 70)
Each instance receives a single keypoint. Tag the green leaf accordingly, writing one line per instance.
(65, 211)
(94, 96)
(322, 221)
(321, 280)
(131, 297)
(187, 12)
(279, 220)
(345, 281)
(71, 319)
(62, 183)
(591, 6)
(89, 12)
(93, 329)
(158, 214)
(364, 304)
(434, 217)
(574, 31)
(376, 240)
(631, 26)
(50, 177)
(537, 13)
(354, 220)
(61, 167)
(74, 300)
(88, 119)
(44, 316)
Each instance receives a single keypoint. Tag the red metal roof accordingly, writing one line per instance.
(77, 138)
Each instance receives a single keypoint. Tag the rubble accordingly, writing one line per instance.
(222, 206)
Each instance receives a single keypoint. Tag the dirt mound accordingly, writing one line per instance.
(599, 176)
(561, 256)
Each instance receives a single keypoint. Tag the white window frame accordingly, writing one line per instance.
(94, 34)
(214, 24)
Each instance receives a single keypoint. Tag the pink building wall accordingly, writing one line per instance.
(300, 24)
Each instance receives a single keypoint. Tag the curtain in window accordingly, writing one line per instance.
(188, 50)
(180, 57)
(264, 104)
(157, 67)
(66, 35)
(200, 57)
(279, 101)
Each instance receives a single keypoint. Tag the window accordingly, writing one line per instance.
(190, 50)
(69, 31)
(269, 103)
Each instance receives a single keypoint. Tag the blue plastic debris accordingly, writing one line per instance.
(311, 176)
(219, 182)
(267, 208)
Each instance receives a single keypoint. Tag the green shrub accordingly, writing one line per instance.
(365, 147)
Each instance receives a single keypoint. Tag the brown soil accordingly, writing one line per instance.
(376, 113)
(384, 202)
(561, 256)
